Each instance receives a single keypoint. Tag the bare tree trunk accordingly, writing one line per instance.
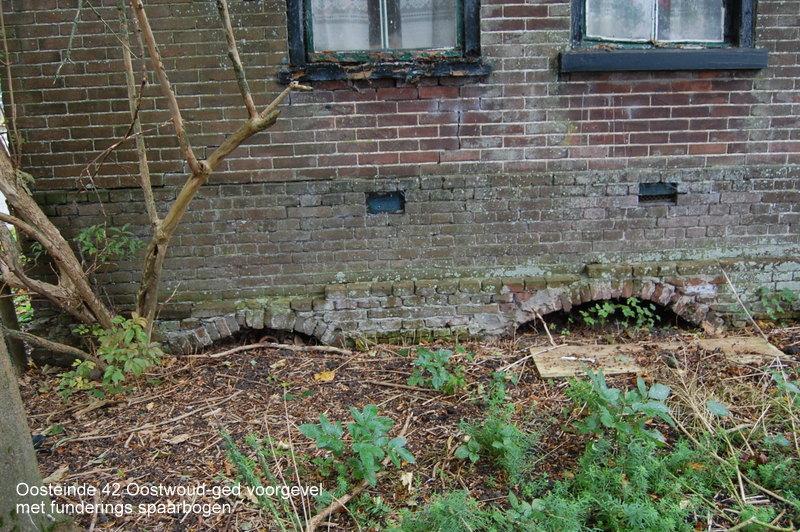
(200, 170)
(8, 316)
(18, 467)
(75, 294)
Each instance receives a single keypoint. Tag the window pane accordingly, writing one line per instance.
(620, 20)
(691, 20)
(422, 23)
(342, 25)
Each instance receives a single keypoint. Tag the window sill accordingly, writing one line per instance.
(408, 71)
(663, 59)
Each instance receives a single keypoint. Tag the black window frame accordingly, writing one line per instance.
(307, 65)
(738, 52)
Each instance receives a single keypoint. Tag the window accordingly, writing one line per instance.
(432, 37)
(609, 35)
(358, 25)
(656, 21)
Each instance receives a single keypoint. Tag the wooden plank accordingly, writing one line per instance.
(571, 360)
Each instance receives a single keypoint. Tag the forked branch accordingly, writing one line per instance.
(147, 299)
(233, 54)
(166, 87)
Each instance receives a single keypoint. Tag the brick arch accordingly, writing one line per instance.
(469, 306)
(195, 334)
(689, 299)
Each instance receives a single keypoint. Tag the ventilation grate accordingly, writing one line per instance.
(386, 202)
(659, 193)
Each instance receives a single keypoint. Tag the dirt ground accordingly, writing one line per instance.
(167, 431)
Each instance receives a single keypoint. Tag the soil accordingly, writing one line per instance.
(167, 430)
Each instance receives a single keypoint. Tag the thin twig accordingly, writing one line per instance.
(134, 104)
(741, 304)
(271, 345)
(399, 386)
(546, 328)
(233, 54)
(68, 52)
(17, 144)
(166, 89)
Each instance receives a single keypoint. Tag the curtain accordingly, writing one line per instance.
(340, 25)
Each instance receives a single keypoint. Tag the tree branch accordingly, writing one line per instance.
(264, 120)
(14, 274)
(57, 347)
(233, 54)
(147, 297)
(17, 139)
(166, 89)
(35, 222)
(66, 58)
(134, 102)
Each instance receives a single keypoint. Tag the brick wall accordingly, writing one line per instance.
(524, 172)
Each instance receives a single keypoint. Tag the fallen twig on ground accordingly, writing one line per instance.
(271, 345)
(147, 426)
(741, 304)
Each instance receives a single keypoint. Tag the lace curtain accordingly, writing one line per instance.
(340, 25)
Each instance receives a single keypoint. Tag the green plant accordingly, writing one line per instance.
(256, 475)
(23, 307)
(626, 413)
(104, 244)
(125, 349)
(360, 458)
(632, 313)
(778, 304)
(497, 437)
(434, 369)
(370, 511)
(451, 512)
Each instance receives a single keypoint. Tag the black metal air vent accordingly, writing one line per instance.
(658, 193)
(386, 202)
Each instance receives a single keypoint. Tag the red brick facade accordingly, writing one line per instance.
(525, 170)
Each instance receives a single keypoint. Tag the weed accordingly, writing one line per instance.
(125, 348)
(256, 475)
(632, 313)
(627, 413)
(22, 304)
(370, 511)
(497, 437)
(434, 369)
(104, 244)
(778, 305)
(361, 457)
(451, 512)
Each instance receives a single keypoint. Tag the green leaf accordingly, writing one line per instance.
(462, 453)
(778, 439)
(717, 408)
(606, 418)
(659, 392)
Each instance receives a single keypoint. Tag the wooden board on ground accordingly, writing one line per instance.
(571, 360)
